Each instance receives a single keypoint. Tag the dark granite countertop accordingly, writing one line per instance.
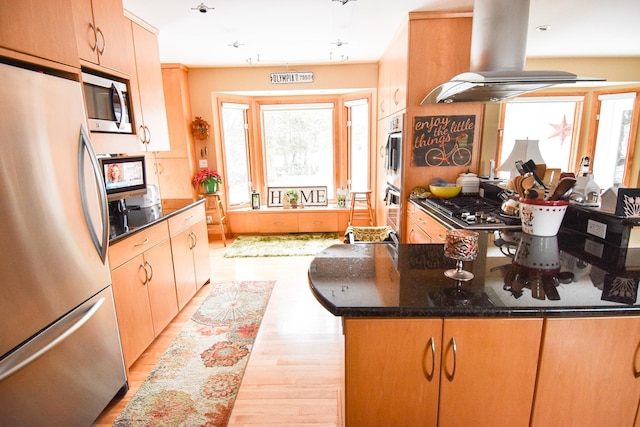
(570, 275)
(135, 219)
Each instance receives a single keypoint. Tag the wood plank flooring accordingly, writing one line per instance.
(295, 375)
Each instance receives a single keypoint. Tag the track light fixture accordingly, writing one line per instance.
(203, 8)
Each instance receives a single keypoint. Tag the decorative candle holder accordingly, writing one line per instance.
(461, 245)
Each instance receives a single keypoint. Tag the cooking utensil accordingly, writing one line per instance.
(530, 166)
(563, 189)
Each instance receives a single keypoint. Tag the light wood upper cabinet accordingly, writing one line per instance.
(100, 33)
(399, 61)
(392, 75)
(43, 29)
(147, 96)
(409, 372)
(588, 372)
(175, 168)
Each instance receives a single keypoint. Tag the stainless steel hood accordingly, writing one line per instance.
(498, 50)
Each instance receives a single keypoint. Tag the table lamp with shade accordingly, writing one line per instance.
(525, 150)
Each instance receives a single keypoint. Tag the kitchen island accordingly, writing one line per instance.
(501, 349)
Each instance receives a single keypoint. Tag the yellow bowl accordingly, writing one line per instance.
(445, 192)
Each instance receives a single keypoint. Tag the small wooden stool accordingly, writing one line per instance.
(214, 204)
(362, 198)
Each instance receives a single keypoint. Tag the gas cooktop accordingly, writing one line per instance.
(472, 212)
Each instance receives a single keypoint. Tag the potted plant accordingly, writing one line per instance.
(292, 197)
(208, 179)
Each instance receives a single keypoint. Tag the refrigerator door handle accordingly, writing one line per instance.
(60, 331)
(86, 150)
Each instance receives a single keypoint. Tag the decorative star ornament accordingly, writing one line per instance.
(562, 130)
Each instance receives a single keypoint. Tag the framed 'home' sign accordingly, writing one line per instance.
(309, 196)
(443, 140)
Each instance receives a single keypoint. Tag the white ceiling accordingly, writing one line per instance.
(291, 32)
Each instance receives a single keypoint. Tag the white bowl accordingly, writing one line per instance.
(542, 217)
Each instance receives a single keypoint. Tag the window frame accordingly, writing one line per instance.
(633, 136)
(256, 139)
(577, 137)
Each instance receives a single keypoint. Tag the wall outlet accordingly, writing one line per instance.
(597, 228)
(203, 163)
(209, 219)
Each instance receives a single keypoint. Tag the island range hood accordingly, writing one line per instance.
(498, 51)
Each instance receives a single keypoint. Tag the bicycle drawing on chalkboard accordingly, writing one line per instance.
(458, 156)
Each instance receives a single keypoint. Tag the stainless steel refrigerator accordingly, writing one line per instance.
(60, 355)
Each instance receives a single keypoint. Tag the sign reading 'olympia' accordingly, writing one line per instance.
(443, 140)
(291, 77)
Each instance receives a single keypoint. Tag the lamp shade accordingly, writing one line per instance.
(524, 149)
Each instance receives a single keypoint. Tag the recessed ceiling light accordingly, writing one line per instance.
(543, 28)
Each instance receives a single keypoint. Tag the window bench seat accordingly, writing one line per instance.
(278, 220)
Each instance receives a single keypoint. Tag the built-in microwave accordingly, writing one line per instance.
(108, 104)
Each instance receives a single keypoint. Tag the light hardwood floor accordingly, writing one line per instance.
(295, 375)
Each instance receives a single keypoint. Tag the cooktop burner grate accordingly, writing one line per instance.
(473, 212)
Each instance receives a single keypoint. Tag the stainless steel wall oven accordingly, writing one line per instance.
(393, 164)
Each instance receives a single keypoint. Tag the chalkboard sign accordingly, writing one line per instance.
(443, 140)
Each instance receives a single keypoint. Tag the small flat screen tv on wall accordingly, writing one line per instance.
(124, 176)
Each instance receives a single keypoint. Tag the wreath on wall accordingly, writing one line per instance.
(200, 128)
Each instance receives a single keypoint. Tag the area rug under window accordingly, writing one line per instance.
(196, 381)
(296, 244)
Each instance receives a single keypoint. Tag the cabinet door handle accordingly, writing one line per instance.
(395, 96)
(432, 347)
(104, 44)
(142, 243)
(453, 345)
(147, 132)
(149, 276)
(95, 38)
(636, 373)
(146, 274)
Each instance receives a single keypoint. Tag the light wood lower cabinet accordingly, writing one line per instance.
(430, 372)
(155, 272)
(423, 228)
(588, 373)
(143, 288)
(190, 249)
(307, 220)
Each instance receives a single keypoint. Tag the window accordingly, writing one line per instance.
(294, 142)
(236, 154)
(358, 140)
(612, 142)
(553, 121)
(298, 145)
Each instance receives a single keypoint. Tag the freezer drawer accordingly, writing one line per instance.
(72, 382)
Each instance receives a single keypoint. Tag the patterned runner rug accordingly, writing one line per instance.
(297, 244)
(196, 381)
